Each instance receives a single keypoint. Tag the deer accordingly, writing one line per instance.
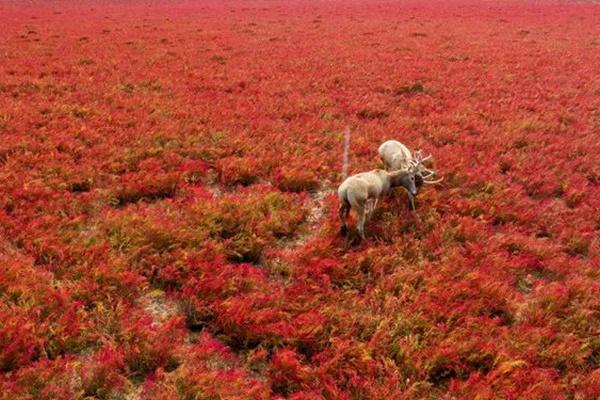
(397, 157)
(357, 190)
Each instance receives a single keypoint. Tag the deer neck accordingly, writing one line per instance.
(395, 178)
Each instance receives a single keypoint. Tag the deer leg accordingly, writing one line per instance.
(372, 206)
(344, 211)
(361, 223)
(385, 164)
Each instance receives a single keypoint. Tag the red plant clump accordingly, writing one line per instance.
(168, 217)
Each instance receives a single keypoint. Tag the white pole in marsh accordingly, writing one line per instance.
(346, 151)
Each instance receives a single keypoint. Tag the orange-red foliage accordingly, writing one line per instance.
(166, 229)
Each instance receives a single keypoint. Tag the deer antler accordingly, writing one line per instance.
(417, 162)
(425, 158)
(418, 167)
(432, 182)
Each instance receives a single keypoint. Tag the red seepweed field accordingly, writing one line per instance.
(168, 216)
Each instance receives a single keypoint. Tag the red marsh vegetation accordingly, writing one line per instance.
(168, 217)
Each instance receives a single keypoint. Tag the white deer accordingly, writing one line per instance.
(397, 157)
(358, 189)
